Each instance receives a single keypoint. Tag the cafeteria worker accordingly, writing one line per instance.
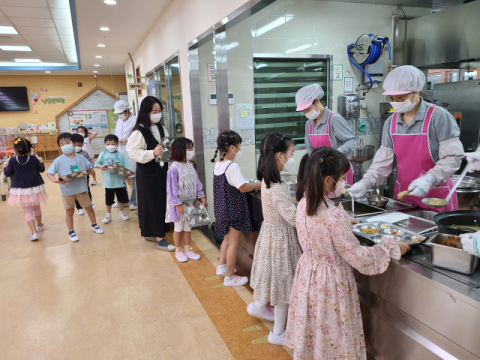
(425, 139)
(324, 127)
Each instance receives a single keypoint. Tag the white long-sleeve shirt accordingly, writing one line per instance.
(123, 130)
(137, 146)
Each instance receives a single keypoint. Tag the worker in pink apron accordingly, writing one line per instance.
(424, 138)
(324, 127)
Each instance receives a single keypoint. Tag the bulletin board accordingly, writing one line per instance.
(93, 120)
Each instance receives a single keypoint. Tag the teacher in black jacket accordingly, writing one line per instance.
(144, 147)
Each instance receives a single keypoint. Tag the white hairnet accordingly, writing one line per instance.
(306, 95)
(403, 80)
(120, 106)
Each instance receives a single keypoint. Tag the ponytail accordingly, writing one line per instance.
(272, 144)
(224, 141)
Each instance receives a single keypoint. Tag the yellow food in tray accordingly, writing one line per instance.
(417, 239)
(370, 231)
(402, 194)
(383, 226)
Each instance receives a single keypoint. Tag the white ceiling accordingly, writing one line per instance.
(129, 22)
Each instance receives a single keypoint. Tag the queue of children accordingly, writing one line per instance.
(305, 251)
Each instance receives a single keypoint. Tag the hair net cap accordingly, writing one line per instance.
(120, 106)
(403, 80)
(306, 95)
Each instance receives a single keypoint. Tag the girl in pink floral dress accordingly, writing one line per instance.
(324, 320)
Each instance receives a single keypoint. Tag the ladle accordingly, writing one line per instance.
(437, 203)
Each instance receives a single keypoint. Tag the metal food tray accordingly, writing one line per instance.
(385, 228)
(119, 170)
(76, 175)
(195, 213)
(451, 258)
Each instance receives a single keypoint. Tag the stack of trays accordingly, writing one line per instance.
(378, 231)
(76, 175)
(119, 170)
(195, 213)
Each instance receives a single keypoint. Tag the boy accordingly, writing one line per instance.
(75, 189)
(78, 143)
(113, 183)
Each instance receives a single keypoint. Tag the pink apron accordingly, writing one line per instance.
(413, 159)
(318, 140)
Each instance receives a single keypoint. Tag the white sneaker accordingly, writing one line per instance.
(133, 207)
(236, 281)
(93, 207)
(73, 237)
(276, 339)
(115, 205)
(266, 314)
(123, 217)
(181, 256)
(192, 255)
(34, 237)
(41, 227)
(97, 229)
(221, 271)
(80, 212)
(106, 220)
(94, 182)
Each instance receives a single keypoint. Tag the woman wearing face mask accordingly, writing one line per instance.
(277, 250)
(423, 137)
(125, 124)
(144, 147)
(324, 127)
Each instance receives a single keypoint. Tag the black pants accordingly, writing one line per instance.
(122, 196)
(77, 205)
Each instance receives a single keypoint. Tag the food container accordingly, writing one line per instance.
(195, 213)
(76, 175)
(452, 258)
(385, 228)
(379, 201)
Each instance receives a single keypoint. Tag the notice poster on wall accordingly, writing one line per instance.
(337, 72)
(348, 85)
(212, 76)
(93, 120)
(244, 117)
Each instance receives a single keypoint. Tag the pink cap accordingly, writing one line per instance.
(304, 105)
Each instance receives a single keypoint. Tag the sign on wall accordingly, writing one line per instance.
(137, 86)
(93, 120)
(212, 76)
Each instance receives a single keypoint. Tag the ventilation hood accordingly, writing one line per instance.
(445, 40)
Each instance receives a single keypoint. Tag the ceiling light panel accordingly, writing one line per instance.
(27, 60)
(26, 12)
(22, 21)
(101, 45)
(98, 56)
(15, 48)
(110, 2)
(48, 72)
(8, 30)
(104, 28)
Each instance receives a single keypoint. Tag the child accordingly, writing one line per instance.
(27, 188)
(87, 146)
(75, 189)
(78, 143)
(324, 320)
(113, 183)
(277, 250)
(230, 204)
(182, 184)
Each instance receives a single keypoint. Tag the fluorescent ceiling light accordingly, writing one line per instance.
(47, 72)
(98, 56)
(272, 25)
(110, 2)
(104, 28)
(28, 60)
(15, 48)
(96, 65)
(101, 45)
(95, 71)
(8, 30)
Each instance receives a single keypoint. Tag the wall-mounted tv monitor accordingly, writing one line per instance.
(14, 99)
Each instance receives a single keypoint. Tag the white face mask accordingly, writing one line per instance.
(111, 148)
(313, 114)
(122, 116)
(338, 191)
(155, 118)
(83, 135)
(190, 155)
(78, 149)
(238, 156)
(288, 165)
(404, 106)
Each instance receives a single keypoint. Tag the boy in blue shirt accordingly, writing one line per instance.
(75, 189)
(114, 184)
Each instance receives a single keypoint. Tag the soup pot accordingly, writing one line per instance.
(458, 222)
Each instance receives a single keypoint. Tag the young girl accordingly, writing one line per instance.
(27, 187)
(182, 184)
(277, 250)
(230, 204)
(87, 146)
(324, 320)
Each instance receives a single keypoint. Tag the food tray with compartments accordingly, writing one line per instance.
(195, 213)
(76, 175)
(119, 170)
(373, 231)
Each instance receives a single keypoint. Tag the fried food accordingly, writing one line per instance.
(394, 232)
(402, 194)
(417, 239)
(384, 226)
(436, 202)
(370, 231)
(452, 241)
